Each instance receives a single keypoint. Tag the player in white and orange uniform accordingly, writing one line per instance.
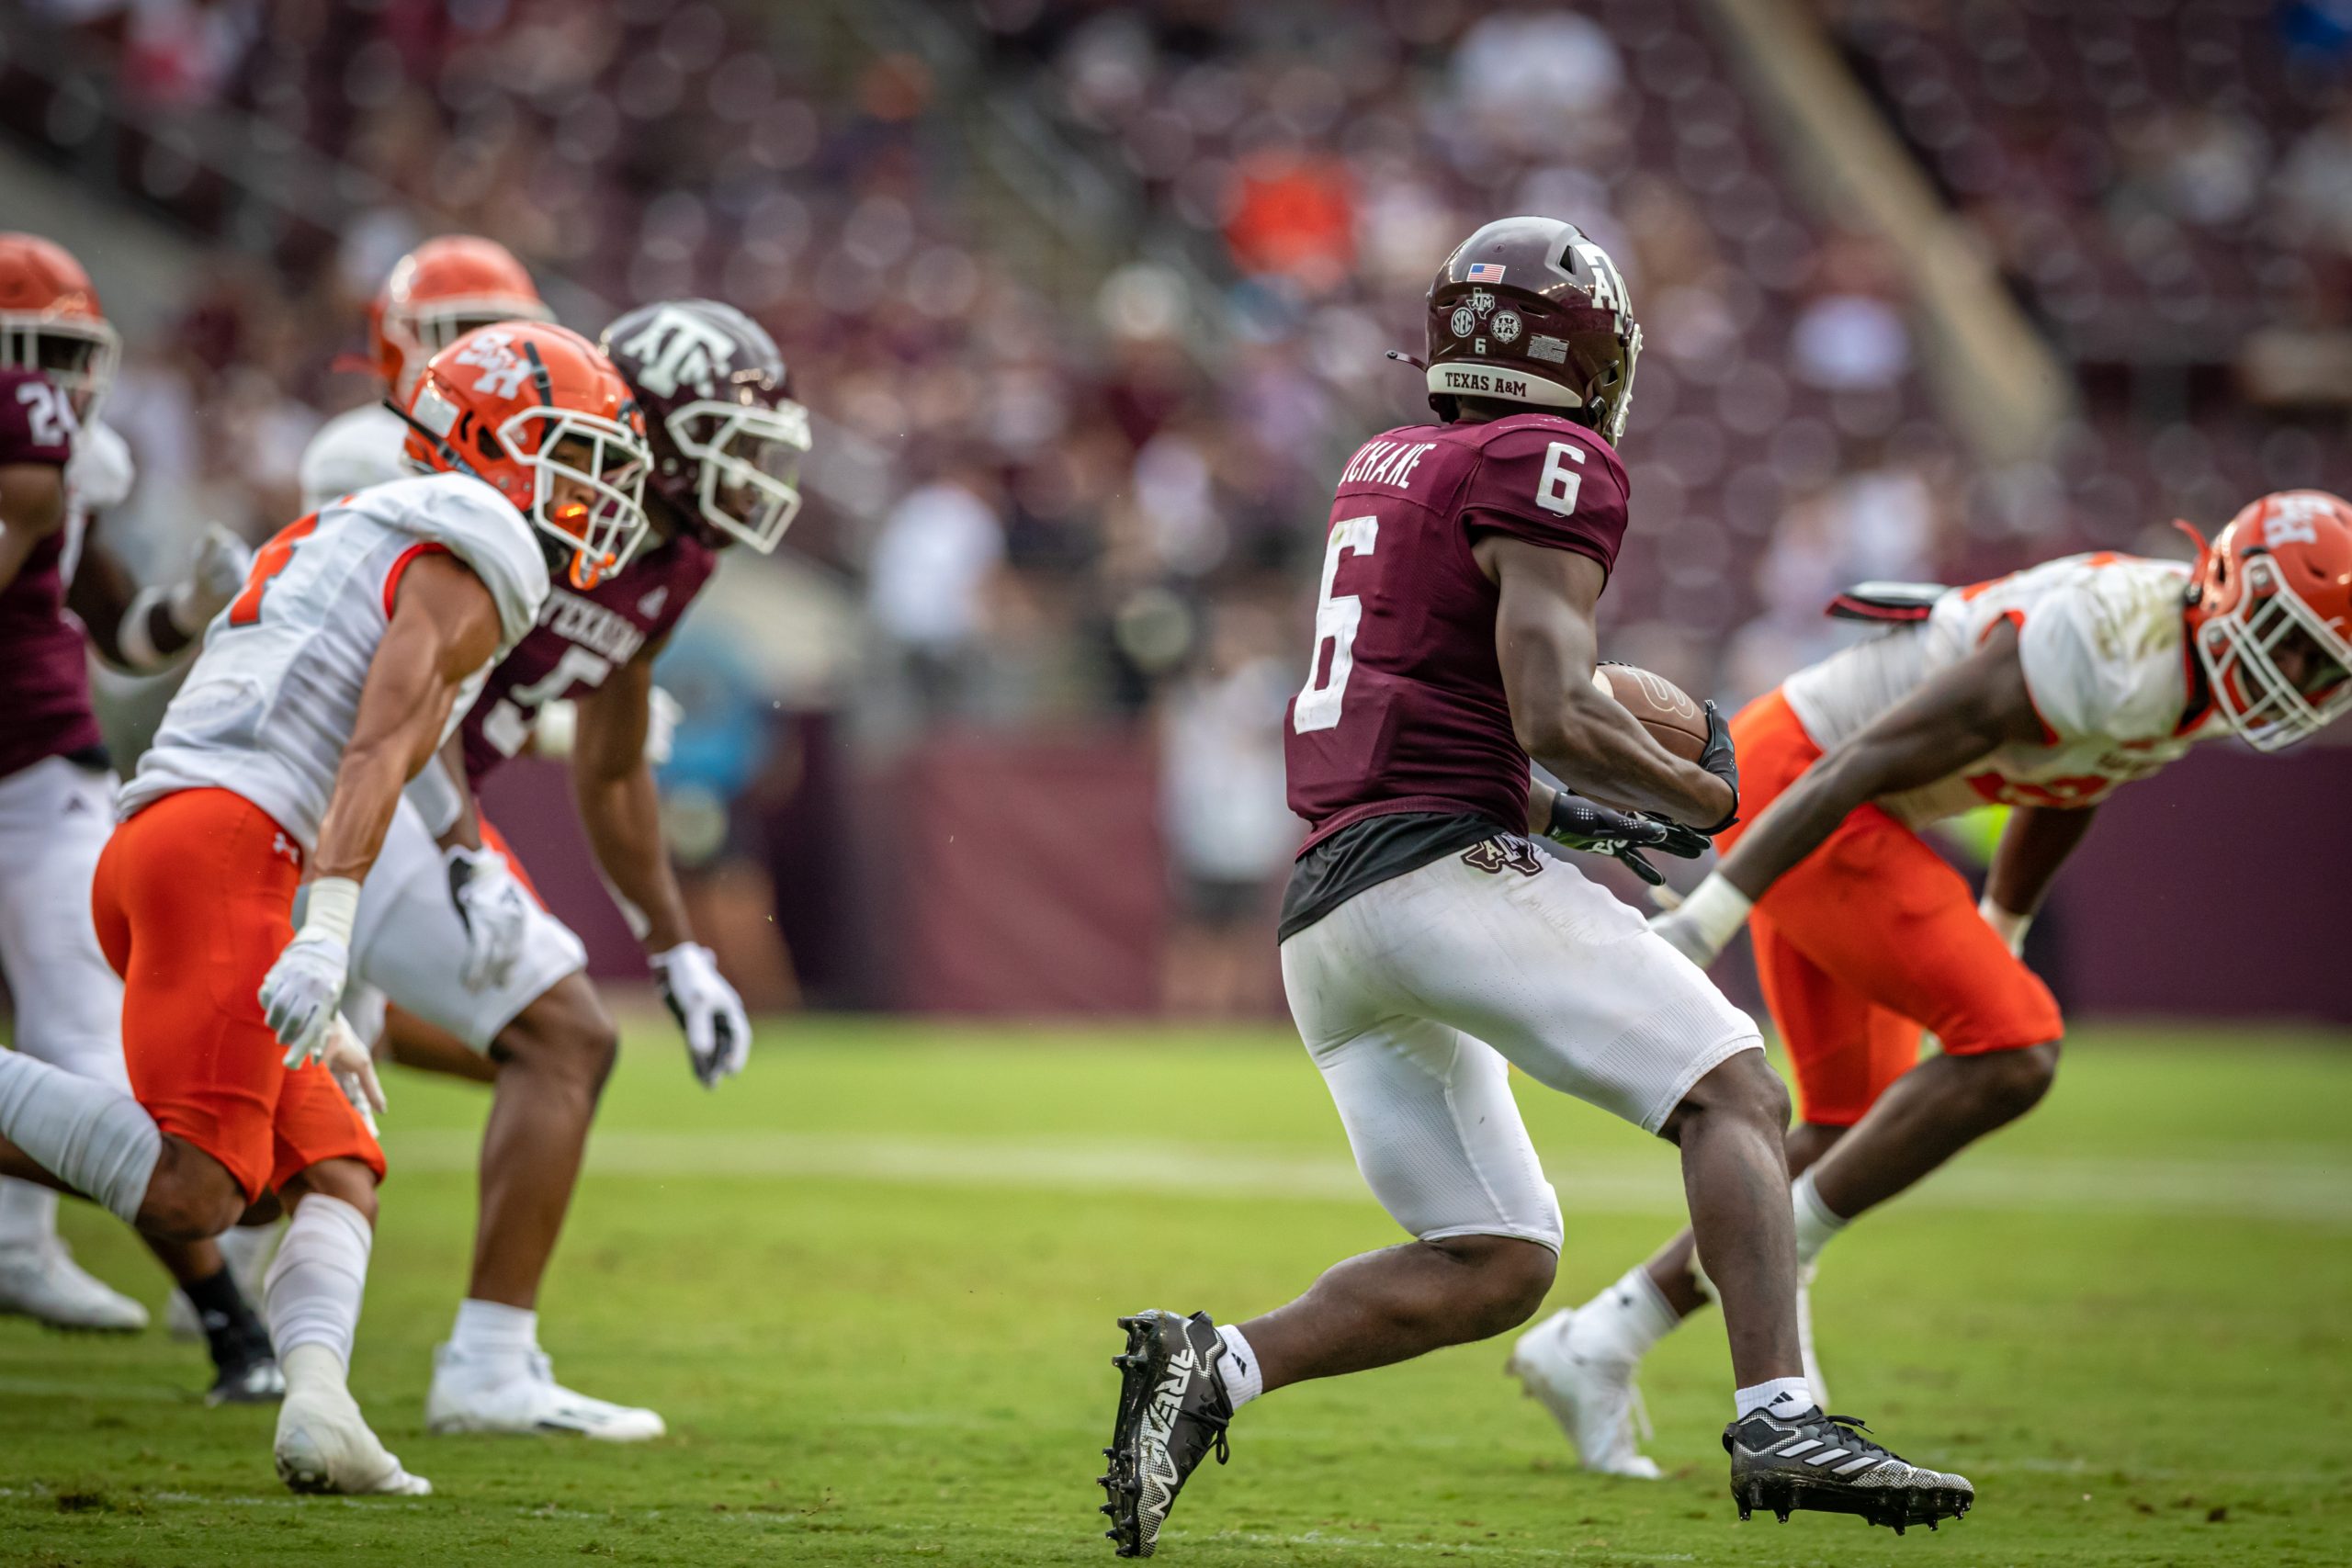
(2043, 690)
(324, 688)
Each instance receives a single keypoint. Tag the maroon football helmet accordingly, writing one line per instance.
(1529, 310)
(727, 436)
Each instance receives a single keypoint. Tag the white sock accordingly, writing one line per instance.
(1815, 1223)
(246, 1248)
(28, 1213)
(1783, 1397)
(1628, 1317)
(312, 1291)
(90, 1136)
(493, 1329)
(1244, 1378)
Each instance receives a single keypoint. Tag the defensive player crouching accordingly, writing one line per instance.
(2045, 690)
(1427, 947)
(59, 466)
(325, 687)
(484, 981)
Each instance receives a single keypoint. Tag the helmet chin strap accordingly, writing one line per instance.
(1415, 360)
(449, 453)
(2196, 568)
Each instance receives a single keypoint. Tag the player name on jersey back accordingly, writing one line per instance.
(269, 704)
(1402, 708)
(2103, 644)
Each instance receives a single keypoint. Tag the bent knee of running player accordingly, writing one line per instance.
(564, 1031)
(191, 1197)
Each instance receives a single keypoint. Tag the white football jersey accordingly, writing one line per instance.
(354, 450)
(2106, 658)
(269, 707)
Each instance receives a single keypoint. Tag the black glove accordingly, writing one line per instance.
(1578, 824)
(1719, 760)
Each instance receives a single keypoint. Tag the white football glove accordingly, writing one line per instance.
(719, 1034)
(300, 993)
(496, 909)
(347, 1057)
(662, 713)
(222, 563)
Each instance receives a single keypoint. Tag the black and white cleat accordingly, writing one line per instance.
(1824, 1463)
(1172, 1414)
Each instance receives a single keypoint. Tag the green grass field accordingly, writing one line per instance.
(871, 1285)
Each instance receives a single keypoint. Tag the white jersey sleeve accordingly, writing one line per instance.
(2103, 655)
(352, 451)
(465, 516)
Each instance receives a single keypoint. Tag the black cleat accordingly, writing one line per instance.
(1173, 1413)
(246, 1370)
(1824, 1463)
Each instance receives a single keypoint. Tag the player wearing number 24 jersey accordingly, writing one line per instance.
(2046, 691)
(1428, 946)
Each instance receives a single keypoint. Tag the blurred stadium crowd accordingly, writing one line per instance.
(1105, 502)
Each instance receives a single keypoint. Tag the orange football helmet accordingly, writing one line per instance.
(2270, 612)
(50, 321)
(439, 292)
(534, 411)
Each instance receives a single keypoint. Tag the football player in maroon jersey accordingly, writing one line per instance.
(1428, 947)
(483, 981)
(59, 586)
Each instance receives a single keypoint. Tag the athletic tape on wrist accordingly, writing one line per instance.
(1717, 908)
(334, 908)
(2008, 924)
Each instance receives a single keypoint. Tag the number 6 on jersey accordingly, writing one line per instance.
(1336, 619)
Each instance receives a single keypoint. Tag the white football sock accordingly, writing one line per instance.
(313, 1288)
(28, 1213)
(1628, 1317)
(1815, 1223)
(1783, 1397)
(92, 1137)
(1244, 1380)
(493, 1329)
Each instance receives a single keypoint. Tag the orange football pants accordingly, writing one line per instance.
(194, 900)
(1870, 939)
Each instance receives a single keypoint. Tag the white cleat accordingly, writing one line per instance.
(520, 1396)
(41, 1279)
(1591, 1396)
(324, 1445)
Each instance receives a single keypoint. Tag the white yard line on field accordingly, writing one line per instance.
(2257, 1186)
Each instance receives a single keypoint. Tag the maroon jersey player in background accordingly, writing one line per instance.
(1428, 946)
(58, 585)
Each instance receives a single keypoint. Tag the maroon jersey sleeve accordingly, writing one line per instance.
(1551, 484)
(36, 422)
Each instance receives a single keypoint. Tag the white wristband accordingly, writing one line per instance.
(1716, 910)
(134, 637)
(334, 908)
(2008, 924)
